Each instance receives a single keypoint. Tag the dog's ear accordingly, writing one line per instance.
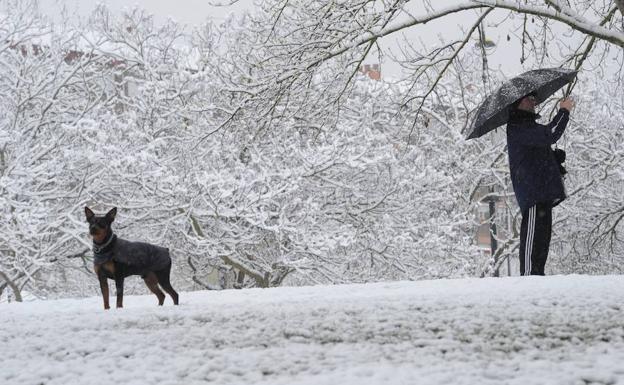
(88, 213)
(111, 215)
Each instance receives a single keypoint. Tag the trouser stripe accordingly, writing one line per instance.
(528, 247)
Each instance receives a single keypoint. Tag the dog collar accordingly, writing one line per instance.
(99, 249)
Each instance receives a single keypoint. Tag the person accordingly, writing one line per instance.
(535, 176)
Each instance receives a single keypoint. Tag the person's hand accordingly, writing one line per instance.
(567, 103)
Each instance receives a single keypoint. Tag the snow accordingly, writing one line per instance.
(518, 330)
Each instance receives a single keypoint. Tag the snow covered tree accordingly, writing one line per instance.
(47, 89)
(333, 39)
(257, 149)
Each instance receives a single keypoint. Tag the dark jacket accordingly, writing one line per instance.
(141, 257)
(534, 170)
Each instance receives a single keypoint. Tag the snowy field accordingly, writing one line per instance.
(536, 330)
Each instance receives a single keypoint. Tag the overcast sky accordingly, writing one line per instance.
(183, 11)
(506, 55)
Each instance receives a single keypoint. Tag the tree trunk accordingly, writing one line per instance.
(257, 276)
(240, 279)
(12, 285)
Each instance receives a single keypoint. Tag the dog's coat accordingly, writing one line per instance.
(141, 257)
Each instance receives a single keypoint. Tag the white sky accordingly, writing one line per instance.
(506, 55)
(183, 11)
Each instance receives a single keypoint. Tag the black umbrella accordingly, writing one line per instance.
(494, 111)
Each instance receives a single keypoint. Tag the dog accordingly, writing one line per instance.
(116, 258)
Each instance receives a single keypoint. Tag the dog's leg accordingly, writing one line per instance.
(152, 283)
(163, 280)
(104, 289)
(103, 285)
(172, 293)
(119, 281)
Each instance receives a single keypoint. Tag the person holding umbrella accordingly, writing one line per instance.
(535, 172)
(536, 177)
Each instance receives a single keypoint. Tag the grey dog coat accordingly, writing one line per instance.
(142, 257)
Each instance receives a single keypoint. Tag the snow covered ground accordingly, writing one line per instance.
(534, 330)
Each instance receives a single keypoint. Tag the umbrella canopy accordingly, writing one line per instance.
(494, 111)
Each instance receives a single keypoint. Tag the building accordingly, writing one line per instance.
(373, 71)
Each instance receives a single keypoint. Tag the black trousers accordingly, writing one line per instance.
(535, 233)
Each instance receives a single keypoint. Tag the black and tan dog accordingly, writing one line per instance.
(116, 258)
